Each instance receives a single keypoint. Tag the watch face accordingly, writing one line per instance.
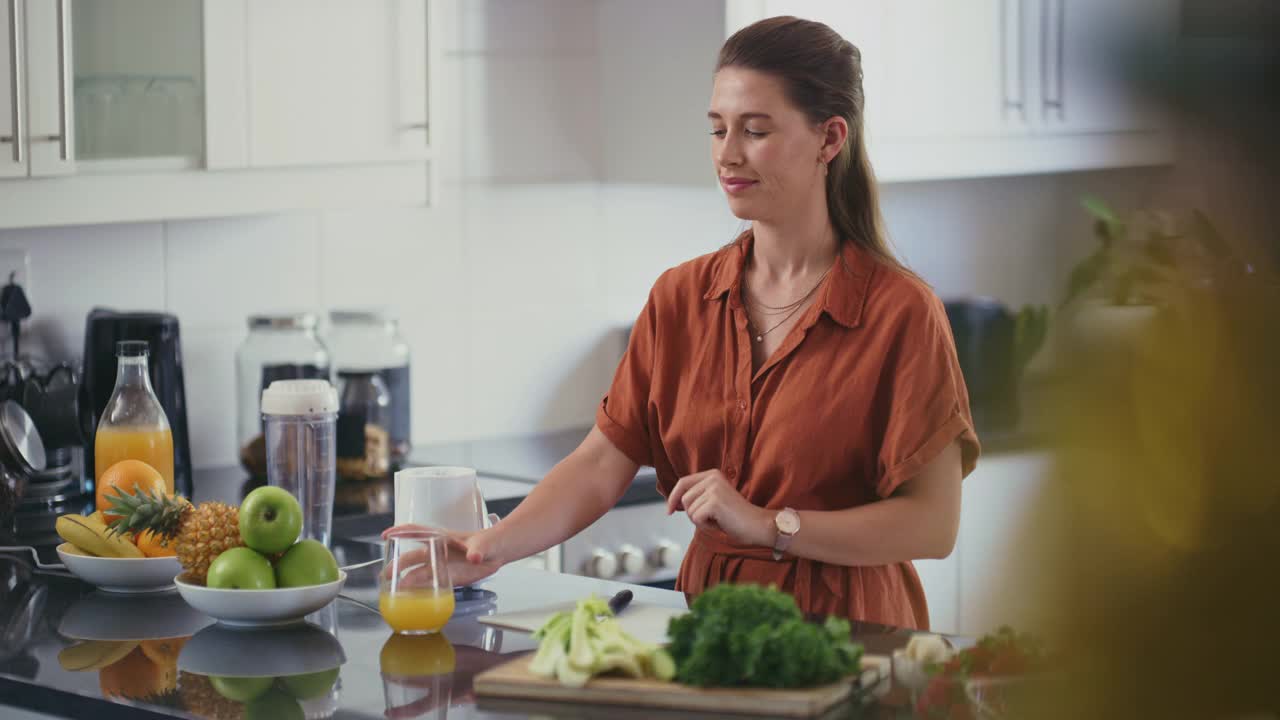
(788, 522)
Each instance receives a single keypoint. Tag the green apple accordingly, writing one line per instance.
(307, 563)
(240, 689)
(270, 520)
(274, 705)
(241, 569)
(310, 685)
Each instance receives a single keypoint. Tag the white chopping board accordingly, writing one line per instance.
(647, 623)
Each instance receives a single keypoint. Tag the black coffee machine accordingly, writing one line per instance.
(103, 329)
(984, 333)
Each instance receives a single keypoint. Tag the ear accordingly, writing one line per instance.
(833, 131)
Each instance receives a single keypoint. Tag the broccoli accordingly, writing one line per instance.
(747, 635)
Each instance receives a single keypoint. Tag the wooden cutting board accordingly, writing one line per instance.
(513, 680)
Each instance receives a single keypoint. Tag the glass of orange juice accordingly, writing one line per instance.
(416, 593)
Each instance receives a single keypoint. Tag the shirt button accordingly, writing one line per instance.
(742, 404)
(731, 473)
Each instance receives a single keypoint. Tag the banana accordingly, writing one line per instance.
(94, 654)
(93, 537)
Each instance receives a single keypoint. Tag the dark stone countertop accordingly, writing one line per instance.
(379, 675)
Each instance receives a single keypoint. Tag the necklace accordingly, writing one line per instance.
(783, 308)
(760, 335)
(791, 309)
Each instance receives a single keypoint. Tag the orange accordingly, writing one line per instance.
(126, 476)
(136, 677)
(149, 543)
(164, 652)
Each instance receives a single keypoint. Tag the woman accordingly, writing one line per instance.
(797, 391)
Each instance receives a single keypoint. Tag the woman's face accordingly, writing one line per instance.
(765, 150)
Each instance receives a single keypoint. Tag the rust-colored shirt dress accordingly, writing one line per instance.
(864, 391)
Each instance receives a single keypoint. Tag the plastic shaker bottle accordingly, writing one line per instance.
(300, 420)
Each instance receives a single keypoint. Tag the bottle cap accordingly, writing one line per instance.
(299, 397)
(132, 348)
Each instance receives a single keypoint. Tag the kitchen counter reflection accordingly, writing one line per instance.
(69, 650)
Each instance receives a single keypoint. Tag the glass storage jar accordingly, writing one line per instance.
(278, 347)
(370, 341)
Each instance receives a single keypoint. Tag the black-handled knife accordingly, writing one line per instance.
(620, 601)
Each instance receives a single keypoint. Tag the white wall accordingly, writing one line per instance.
(512, 288)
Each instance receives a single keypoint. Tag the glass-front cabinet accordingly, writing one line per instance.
(101, 86)
(122, 110)
(137, 81)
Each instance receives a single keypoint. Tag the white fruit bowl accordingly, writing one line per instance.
(259, 608)
(121, 575)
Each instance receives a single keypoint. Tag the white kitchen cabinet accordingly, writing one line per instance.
(346, 85)
(998, 87)
(1092, 51)
(941, 581)
(131, 110)
(13, 162)
(996, 539)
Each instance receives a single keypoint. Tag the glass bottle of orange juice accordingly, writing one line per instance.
(134, 426)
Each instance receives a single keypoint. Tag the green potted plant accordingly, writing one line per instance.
(1140, 262)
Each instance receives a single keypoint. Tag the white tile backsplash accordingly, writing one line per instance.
(530, 119)
(74, 269)
(532, 244)
(533, 27)
(209, 371)
(221, 271)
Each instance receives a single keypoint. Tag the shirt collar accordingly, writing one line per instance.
(846, 291)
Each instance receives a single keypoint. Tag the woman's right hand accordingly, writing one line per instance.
(472, 555)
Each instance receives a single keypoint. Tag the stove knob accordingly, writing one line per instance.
(667, 555)
(632, 560)
(603, 564)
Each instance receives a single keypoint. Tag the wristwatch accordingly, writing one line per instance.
(788, 524)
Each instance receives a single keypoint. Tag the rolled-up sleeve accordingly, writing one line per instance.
(929, 404)
(623, 415)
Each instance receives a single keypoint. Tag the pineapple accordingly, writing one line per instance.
(198, 534)
(200, 699)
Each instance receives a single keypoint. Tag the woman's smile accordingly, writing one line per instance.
(737, 185)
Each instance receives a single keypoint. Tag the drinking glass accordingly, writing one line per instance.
(416, 592)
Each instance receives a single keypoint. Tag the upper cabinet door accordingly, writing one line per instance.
(13, 143)
(955, 67)
(137, 74)
(931, 68)
(335, 82)
(50, 107)
(1091, 54)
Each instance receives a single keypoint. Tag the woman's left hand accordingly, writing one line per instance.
(711, 501)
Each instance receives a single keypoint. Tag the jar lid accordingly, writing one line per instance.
(21, 441)
(284, 321)
(361, 316)
(299, 397)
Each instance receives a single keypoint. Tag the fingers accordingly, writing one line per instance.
(406, 529)
(676, 500)
(701, 509)
(677, 493)
(696, 492)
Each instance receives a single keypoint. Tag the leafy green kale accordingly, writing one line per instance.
(747, 635)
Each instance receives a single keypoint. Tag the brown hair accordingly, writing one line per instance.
(822, 73)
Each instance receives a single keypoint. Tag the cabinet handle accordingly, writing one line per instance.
(63, 100)
(1013, 102)
(15, 78)
(1051, 101)
(416, 126)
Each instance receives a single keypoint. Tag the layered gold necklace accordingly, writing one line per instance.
(771, 311)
